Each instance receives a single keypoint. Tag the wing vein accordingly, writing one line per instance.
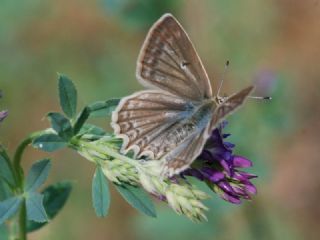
(166, 73)
(177, 41)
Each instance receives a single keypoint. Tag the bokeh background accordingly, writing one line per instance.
(275, 44)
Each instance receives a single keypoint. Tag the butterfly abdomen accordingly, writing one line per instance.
(180, 133)
(197, 121)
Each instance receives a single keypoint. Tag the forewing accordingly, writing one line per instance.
(231, 104)
(143, 120)
(168, 61)
(182, 157)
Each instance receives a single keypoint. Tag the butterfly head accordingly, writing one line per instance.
(219, 99)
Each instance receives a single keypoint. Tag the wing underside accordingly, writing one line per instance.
(168, 61)
(144, 119)
(182, 157)
(230, 105)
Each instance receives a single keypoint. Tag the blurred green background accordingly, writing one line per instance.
(96, 43)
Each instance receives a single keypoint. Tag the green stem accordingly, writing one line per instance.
(18, 171)
(9, 163)
(19, 176)
(17, 160)
(23, 222)
(18, 156)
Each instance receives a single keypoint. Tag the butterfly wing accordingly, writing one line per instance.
(182, 157)
(144, 119)
(168, 61)
(230, 105)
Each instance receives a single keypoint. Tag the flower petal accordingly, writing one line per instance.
(216, 176)
(250, 188)
(226, 187)
(229, 144)
(230, 198)
(211, 174)
(243, 176)
(241, 162)
(226, 167)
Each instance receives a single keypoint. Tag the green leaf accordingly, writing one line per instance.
(91, 129)
(61, 125)
(137, 198)
(5, 190)
(68, 96)
(5, 168)
(103, 108)
(55, 197)
(38, 174)
(9, 207)
(4, 232)
(35, 209)
(49, 142)
(81, 119)
(100, 193)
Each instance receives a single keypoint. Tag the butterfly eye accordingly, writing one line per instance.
(220, 100)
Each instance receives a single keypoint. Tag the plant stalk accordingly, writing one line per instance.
(17, 160)
(19, 176)
(23, 222)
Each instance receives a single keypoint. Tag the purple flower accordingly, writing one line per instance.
(220, 169)
(3, 114)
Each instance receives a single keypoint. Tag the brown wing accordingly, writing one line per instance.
(144, 119)
(182, 157)
(168, 61)
(231, 104)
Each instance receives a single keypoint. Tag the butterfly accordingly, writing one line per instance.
(172, 120)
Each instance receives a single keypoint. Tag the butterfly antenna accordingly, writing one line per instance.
(260, 98)
(223, 76)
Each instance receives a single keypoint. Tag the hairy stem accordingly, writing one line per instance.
(23, 222)
(17, 160)
(18, 171)
(19, 176)
(10, 165)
